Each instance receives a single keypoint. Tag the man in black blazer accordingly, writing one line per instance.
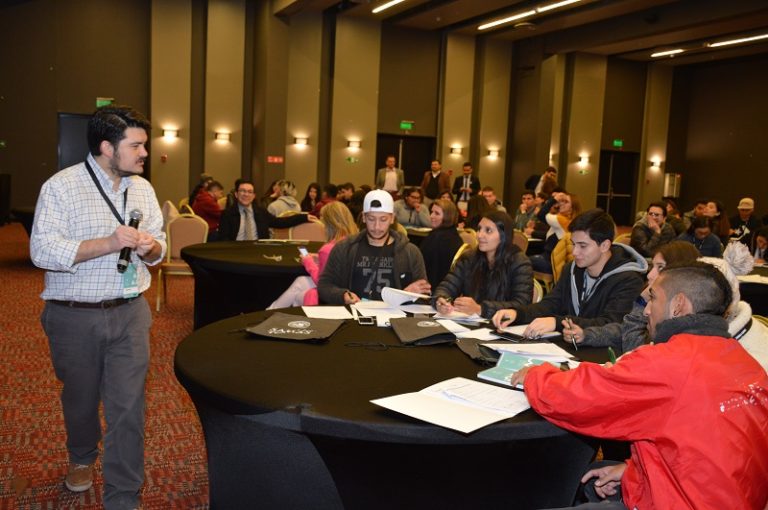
(466, 185)
(246, 220)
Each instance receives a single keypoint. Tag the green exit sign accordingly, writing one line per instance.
(406, 125)
(104, 101)
(618, 142)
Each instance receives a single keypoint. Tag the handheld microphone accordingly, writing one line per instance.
(125, 254)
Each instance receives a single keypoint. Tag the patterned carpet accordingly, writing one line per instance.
(32, 453)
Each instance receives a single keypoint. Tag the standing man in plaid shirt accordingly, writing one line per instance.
(95, 317)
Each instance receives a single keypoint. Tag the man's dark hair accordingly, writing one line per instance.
(487, 188)
(331, 190)
(110, 122)
(347, 185)
(701, 201)
(436, 160)
(660, 205)
(597, 223)
(467, 163)
(529, 192)
(700, 222)
(214, 184)
(413, 189)
(703, 284)
(240, 182)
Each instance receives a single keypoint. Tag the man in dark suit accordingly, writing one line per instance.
(466, 185)
(246, 220)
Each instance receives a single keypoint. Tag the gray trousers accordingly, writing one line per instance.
(103, 356)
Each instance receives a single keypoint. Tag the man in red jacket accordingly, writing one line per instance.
(694, 405)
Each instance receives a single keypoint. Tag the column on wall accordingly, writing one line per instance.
(171, 27)
(658, 95)
(224, 90)
(494, 82)
(456, 127)
(584, 126)
(302, 118)
(355, 100)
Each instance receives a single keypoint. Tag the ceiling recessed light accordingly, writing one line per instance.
(738, 41)
(502, 21)
(386, 6)
(667, 53)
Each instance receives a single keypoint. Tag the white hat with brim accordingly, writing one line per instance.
(378, 200)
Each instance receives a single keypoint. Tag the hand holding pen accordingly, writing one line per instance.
(570, 331)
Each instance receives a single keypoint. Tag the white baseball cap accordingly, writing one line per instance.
(378, 200)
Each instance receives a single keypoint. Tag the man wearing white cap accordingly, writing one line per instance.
(363, 264)
(744, 225)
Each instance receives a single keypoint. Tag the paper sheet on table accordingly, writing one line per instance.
(418, 309)
(326, 312)
(520, 329)
(545, 351)
(459, 404)
(460, 317)
(479, 333)
(396, 297)
(379, 309)
(452, 326)
(753, 278)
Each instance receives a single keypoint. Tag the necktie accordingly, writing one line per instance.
(466, 185)
(250, 233)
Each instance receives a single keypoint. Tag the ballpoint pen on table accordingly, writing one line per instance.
(573, 337)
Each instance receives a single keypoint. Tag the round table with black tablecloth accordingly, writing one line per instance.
(756, 294)
(241, 276)
(290, 425)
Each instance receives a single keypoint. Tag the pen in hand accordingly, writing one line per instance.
(611, 355)
(573, 337)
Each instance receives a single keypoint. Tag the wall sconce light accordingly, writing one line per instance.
(301, 141)
(583, 160)
(493, 153)
(656, 163)
(170, 134)
(354, 144)
(222, 136)
(457, 150)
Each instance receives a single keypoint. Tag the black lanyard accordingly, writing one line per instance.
(106, 198)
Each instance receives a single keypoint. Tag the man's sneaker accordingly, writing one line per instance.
(79, 477)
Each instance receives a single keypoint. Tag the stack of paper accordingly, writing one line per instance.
(458, 404)
(326, 312)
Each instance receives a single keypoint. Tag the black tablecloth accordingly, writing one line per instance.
(241, 276)
(756, 294)
(306, 408)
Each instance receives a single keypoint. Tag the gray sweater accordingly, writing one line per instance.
(339, 270)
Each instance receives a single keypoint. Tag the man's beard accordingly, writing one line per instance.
(114, 166)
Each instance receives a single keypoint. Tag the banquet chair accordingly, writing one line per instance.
(182, 231)
(186, 209)
(464, 247)
(401, 229)
(520, 240)
(311, 231)
(169, 212)
(469, 236)
(538, 291)
(622, 238)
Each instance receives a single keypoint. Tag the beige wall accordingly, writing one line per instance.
(355, 100)
(584, 126)
(655, 128)
(302, 117)
(224, 89)
(455, 130)
(494, 114)
(170, 70)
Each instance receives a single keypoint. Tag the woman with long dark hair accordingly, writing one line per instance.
(310, 197)
(701, 236)
(495, 275)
